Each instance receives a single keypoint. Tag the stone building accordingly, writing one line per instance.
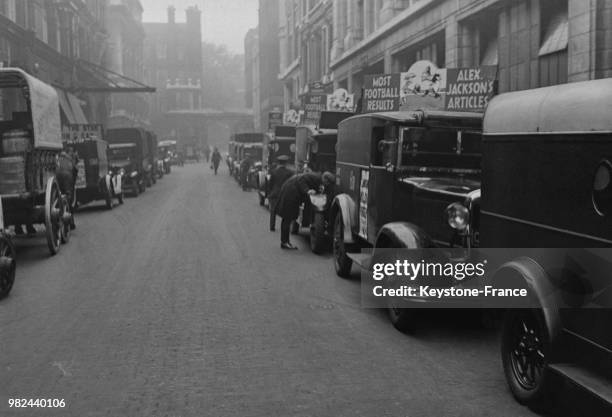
(534, 43)
(305, 46)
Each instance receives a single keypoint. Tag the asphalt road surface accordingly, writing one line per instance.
(180, 303)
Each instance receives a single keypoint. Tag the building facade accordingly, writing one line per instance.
(125, 56)
(59, 42)
(173, 62)
(533, 43)
(264, 56)
(251, 70)
(306, 29)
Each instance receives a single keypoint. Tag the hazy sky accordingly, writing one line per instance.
(223, 21)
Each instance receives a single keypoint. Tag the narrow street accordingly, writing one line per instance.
(181, 303)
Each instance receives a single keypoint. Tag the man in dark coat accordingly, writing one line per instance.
(293, 193)
(216, 158)
(277, 178)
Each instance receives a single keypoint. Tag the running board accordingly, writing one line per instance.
(363, 260)
(594, 383)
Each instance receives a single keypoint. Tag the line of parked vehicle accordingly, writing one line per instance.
(49, 169)
(535, 170)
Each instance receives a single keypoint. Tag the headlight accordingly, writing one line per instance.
(133, 174)
(122, 171)
(458, 216)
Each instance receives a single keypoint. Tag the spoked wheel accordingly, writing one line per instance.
(67, 221)
(342, 262)
(54, 212)
(525, 349)
(8, 265)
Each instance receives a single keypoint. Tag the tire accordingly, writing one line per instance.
(525, 350)
(8, 265)
(54, 212)
(136, 190)
(342, 262)
(403, 319)
(318, 242)
(142, 187)
(67, 223)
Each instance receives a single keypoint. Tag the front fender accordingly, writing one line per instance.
(539, 283)
(345, 205)
(402, 235)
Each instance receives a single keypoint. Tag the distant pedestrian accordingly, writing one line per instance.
(216, 159)
(294, 192)
(278, 177)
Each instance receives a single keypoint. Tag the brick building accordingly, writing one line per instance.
(173, 62)
(63, 44)
(251, 70)
(125, 57)
(262, 61)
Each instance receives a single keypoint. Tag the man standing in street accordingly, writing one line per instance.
(277, 178)
(293, 193)
(216, 159)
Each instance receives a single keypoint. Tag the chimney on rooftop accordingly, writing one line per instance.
(171, 14)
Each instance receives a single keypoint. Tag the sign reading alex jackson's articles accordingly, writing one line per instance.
(424, 86)
(470, 89)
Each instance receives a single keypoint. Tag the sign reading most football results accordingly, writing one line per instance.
(425, 87)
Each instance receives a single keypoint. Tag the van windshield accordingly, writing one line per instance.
(441, 149)
(124, 152)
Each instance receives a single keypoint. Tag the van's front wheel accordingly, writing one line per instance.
(342, 262)
(525, 351)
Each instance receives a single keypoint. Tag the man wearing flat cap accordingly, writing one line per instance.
(277, 178)
(293, 193)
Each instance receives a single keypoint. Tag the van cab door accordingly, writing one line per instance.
(379, 184)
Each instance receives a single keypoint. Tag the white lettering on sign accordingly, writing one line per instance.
(363, 203)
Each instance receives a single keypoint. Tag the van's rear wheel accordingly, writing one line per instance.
(342, 262)
(403, 319)
(525, 350)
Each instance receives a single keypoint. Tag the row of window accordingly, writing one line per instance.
(58, 28)
(499, 36)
